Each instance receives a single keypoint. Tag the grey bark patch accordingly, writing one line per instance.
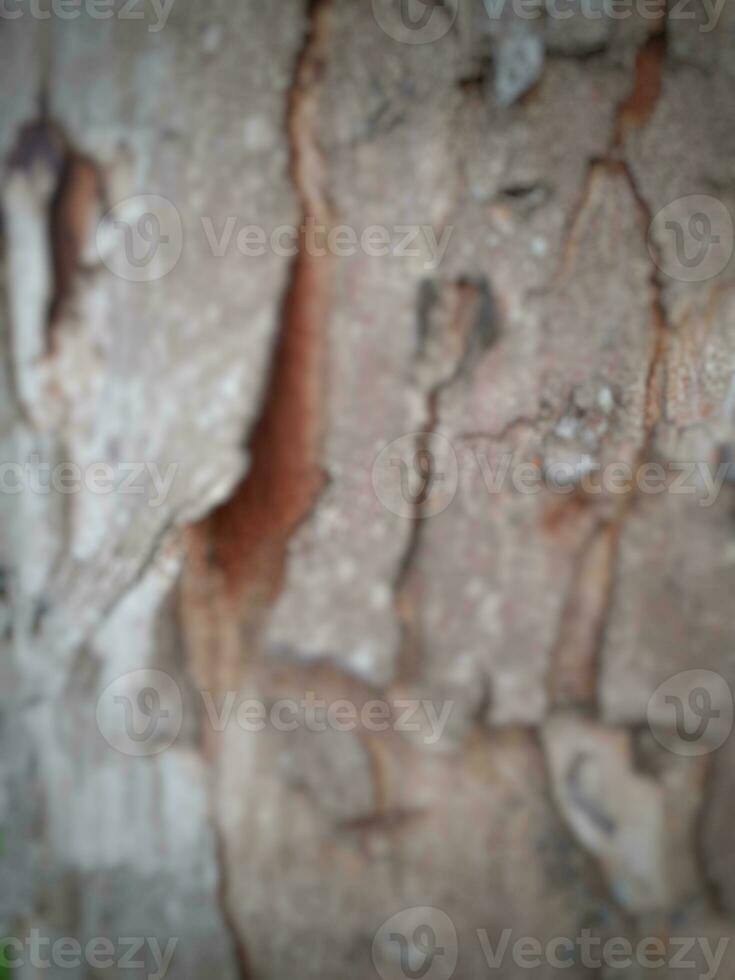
(519, 62)
(456, 321)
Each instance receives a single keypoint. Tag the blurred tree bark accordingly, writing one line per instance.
(291, 294)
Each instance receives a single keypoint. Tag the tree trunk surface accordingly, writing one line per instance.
(346, 628)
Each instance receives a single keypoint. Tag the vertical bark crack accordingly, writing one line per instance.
(453, 329)
(573, 666)
(575, 661)
(74, 187)
(239, 948)
(250, 533)
(247, 537)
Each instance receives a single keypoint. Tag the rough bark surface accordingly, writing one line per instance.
(272, 568)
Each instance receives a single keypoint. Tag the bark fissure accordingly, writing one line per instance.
(590, 595)
(251, 532)
(76, 188)
(576, 662)
(457, 340)
(573, 666)
(248, 536)
(409, 654)
(239, 948)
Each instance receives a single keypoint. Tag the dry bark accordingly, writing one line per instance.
(271, 568)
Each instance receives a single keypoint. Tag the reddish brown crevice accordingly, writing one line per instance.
(384, 821)
(573, 665)
(80, 193)
(250, 533)
(632, 113)
(638, 108)
(77, 189)
(636, 111)
(247, 537)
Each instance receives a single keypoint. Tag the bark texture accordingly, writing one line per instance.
(272, 568)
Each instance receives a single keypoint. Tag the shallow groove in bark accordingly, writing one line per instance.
(583, 601)
(573, 667)
(469, 320)
(409, 654)
(240, 950)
